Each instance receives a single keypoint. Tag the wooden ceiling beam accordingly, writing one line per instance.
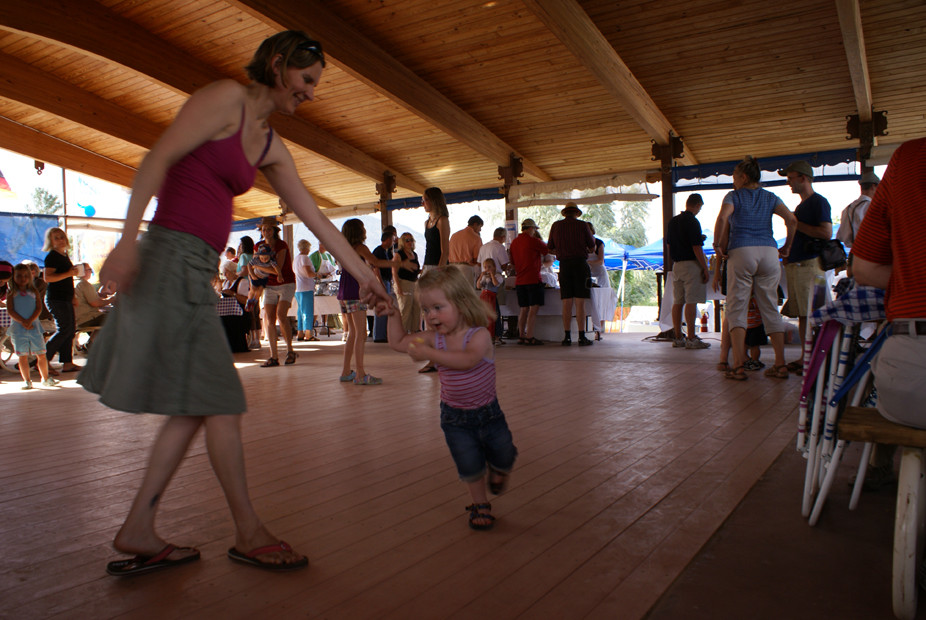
(37, 145)
(370, 64)
(850, 22)
(89, 27)
(572, 25)
(43, 91)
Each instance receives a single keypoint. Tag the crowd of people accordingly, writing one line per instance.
(441, 309)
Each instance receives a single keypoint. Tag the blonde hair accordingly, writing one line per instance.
(403, 242)
(458, 288)
(14, 287)
(48, 247)
(304, 245)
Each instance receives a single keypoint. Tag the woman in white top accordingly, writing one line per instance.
(305, 292)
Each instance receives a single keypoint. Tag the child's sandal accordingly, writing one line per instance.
(476, 514)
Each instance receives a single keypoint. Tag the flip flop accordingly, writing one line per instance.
(251, 557)
(147, 563)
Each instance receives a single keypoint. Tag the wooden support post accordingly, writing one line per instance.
(385, 190)
(666, 156)
(867, 134)
(510, 175)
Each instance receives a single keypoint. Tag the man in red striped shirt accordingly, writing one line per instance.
(889, 253)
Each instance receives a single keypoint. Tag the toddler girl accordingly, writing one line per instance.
(25, 305)
(461, 348)
(489, 281)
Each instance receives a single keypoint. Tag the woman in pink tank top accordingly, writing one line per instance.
(179, 364)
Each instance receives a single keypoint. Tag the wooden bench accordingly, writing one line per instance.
(866, 424)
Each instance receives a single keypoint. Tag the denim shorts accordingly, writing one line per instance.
(477, 437)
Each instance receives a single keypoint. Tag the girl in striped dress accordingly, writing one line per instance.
(459, 344)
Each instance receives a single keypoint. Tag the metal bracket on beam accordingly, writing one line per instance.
(386, 189)
(665, 154)
(866, 131)
(511, 173)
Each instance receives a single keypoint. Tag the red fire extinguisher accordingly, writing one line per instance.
(704, 321)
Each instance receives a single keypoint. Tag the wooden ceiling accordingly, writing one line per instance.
(441, 92)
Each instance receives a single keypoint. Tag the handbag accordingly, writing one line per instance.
(832, 253)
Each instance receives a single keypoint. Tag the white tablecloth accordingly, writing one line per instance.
(549, 323)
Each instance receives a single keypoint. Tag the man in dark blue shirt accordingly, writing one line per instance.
(802, 266)
(689, 271)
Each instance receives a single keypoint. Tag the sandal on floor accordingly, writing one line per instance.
(475, 513)
(348, 377)
(796, 367)
(737, 374)
(723, 367)
(777, 372)
(251, 557)
(271, 361)
(533, 342)
(498, 480)
(291, 357)
(367, 380)
(147, 563)
(522, 340)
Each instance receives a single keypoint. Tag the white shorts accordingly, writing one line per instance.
(899, 369)
(281, 292)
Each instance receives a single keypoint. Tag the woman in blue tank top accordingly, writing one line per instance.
(745, 239)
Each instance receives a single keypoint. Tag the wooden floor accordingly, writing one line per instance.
(632, 454)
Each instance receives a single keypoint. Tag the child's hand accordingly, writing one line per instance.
(419, 350)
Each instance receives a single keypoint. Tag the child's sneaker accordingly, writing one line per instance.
(28, 385)
(50, 382)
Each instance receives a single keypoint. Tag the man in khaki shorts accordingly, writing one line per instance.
(803, 265)
(689, 271)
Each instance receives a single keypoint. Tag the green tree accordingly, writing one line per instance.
(45, 202)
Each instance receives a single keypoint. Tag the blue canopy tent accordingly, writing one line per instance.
(646, 258)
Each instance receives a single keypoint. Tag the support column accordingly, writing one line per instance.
(666, 156)
(510, 175)
(385, 190)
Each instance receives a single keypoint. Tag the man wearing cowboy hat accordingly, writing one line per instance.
(571, 240)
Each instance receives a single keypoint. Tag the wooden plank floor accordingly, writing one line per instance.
(632, 454)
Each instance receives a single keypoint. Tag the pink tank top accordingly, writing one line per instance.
(466, 389)
(198, 191)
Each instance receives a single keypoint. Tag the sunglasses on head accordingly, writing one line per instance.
(313, 47)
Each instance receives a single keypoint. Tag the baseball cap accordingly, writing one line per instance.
(528, 223)
(800, 166)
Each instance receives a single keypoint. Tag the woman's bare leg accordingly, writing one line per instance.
(282, 316)
(270, 325)
(137, 534)
(223, 441)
